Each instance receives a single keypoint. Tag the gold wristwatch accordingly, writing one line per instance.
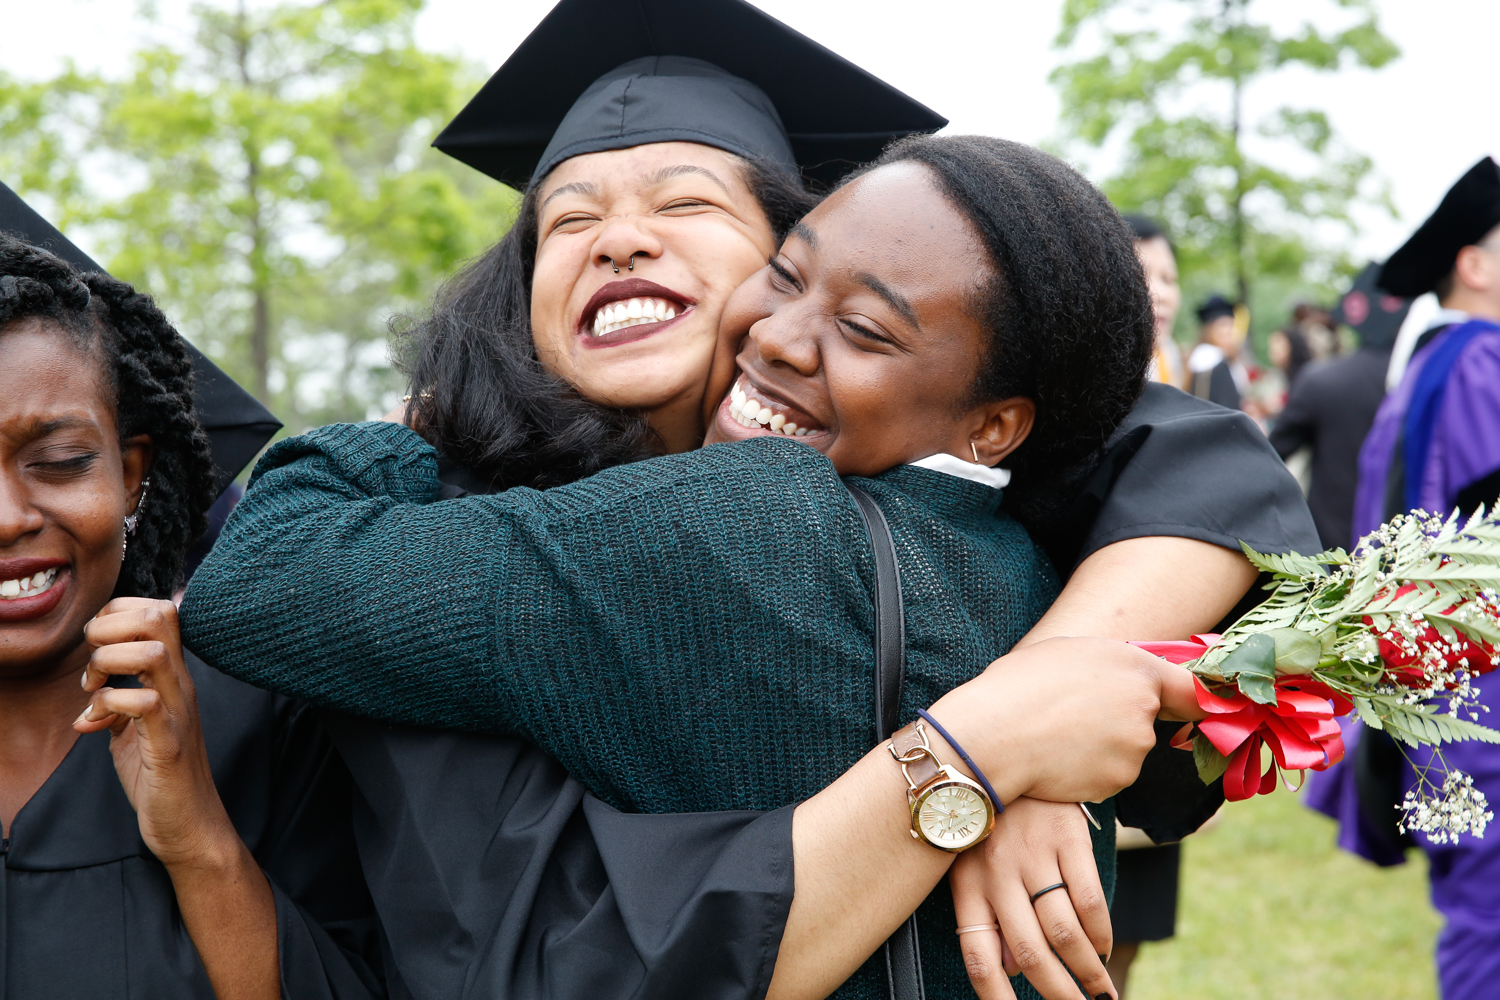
(948, 811)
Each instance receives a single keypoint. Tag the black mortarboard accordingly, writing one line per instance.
(1374, 314)
(597, 75)
(1470, 209)
(238, 425)
(1215, 307)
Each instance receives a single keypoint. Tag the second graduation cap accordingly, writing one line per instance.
(1469, 210)
(238, 425)
(597, 75)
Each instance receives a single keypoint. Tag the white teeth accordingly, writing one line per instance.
(754, 414)
(631, 312)
(28, 586)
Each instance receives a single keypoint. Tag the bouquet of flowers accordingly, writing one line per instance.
(1396, 632)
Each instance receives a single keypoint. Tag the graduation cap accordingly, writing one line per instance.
(1375, 315)
(597, 75)
(238, 425)
(1470, 209)
(1215, 307)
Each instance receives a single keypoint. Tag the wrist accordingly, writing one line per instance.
(213, 850)
(984, 741)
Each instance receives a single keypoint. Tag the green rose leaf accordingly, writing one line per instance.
(1210, 762)
(1253, 665)
(1296, 651)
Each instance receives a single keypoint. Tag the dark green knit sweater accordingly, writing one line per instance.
(687, 633)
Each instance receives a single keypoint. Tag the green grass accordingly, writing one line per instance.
(1272, 910)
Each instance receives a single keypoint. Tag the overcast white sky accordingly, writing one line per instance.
(984, 64)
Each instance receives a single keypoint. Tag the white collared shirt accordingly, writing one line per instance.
(972, 471)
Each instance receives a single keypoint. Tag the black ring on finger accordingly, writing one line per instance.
(1042, 892)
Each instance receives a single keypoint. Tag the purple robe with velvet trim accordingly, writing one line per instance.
(1465, 437)
(1465, 448)
(1465, 876)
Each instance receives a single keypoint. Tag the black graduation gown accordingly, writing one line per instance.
(86, 910)
(1217, 385)
(497, 875)
(1331, 407)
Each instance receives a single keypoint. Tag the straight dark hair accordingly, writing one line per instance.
(481, 395)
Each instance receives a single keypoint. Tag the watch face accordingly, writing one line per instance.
(953, 817)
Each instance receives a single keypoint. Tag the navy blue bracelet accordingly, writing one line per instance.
(983, 781)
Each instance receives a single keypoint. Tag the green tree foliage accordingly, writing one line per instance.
(1161, 86)
(272, 183)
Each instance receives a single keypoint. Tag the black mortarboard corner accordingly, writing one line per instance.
(1215, 307)
(591, 77)
(1373, 313)
(238, 425)
(1470, 209)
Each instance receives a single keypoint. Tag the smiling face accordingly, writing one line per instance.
(66, 485)
(643, 338)
(1160, 265)
(863, 337)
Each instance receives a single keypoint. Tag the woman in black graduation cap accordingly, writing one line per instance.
(189, 835)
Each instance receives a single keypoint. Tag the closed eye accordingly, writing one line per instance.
(69, 466)
(867, 333)
(786, 276)
(569, 220)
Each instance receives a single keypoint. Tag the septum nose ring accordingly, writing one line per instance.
(629, 267)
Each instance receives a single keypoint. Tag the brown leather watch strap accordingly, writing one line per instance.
(909, 746)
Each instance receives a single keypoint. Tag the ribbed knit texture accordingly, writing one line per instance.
(687, 633)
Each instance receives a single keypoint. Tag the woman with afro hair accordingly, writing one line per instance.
(167, 831)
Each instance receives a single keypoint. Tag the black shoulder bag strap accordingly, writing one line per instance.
(903, 962)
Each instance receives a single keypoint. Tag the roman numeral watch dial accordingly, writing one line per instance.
(953, 816)
(948, 811)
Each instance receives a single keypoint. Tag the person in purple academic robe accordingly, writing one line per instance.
(1435, 445)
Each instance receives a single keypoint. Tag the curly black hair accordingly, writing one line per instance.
(151, 379)
(1068, 308)
(485, 400)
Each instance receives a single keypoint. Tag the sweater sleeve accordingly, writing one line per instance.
(432, 612)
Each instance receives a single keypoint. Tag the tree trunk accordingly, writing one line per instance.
(260, 319)
(1238, 160)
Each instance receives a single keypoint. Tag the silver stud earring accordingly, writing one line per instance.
(133, 518)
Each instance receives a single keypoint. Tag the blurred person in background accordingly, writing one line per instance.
(1160, 264)
(1435, 445)
(1215, 370)
(1332, 404)
(1289, 352)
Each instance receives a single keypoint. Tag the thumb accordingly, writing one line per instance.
(1179, 696)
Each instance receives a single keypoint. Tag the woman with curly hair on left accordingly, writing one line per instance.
(168, 831)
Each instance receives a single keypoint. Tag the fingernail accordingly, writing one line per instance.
(83, 681)
(1103, 996)
(84, 716)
